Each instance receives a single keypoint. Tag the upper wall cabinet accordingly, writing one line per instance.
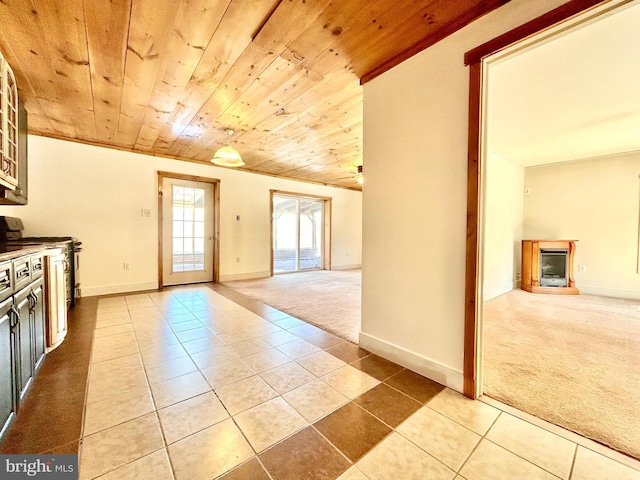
(8, 126)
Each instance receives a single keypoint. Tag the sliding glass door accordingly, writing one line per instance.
(298, 233)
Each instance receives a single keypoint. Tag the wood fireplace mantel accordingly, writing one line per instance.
(531, 266)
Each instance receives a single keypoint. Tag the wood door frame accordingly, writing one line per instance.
(326, 213)
(216, 220)
(473, 59)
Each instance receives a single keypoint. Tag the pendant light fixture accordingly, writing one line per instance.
(227, 156)
(359, 177)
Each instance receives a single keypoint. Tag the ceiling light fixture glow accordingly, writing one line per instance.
(227, 156)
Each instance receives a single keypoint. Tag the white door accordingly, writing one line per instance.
(187, 231)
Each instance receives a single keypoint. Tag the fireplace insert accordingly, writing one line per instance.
(554, 267)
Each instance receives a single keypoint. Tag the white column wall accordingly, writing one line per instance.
(414, 212)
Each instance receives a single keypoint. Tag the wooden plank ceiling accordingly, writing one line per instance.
(166, 77)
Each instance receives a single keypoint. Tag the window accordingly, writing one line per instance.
(188, 229)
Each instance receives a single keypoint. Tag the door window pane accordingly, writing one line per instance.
(310, 234)
(188, 229)
(297, 233)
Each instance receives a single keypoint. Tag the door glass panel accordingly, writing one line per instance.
(310, 234)
(285, 234)
(297, 233)
(188, 229)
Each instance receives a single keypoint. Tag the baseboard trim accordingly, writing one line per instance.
(244, 276)
(413, 361)
(346, 267)
(609, 292)
(496, 292)
(125, 288)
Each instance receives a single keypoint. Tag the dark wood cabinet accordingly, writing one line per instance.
(25, 360)
(22, 330)
(7, 366)
(6, 280)
(36, 312)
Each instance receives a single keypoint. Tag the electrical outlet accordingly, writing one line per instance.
(125, 266)
(582, 268)
(518, 276)
(145, 212)
(237, 259)
(527, 191)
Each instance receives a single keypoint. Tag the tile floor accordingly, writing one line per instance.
(188, 385)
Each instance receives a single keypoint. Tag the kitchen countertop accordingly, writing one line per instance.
(9, 252)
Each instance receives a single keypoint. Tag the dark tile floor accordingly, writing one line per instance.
(353, 430)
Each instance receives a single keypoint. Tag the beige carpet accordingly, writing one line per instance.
(329, 299)
(571, 360)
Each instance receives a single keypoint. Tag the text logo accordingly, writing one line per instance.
(49, 467)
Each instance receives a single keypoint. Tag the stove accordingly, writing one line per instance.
(11, 235)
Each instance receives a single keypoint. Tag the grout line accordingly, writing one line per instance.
(573, 462)
(522, 458)
(312, 425)
(484, 437)
(561, 432)
(264, 468)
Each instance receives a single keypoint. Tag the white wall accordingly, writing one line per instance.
(596, 202)
(96, 194)
(414, 211)
(503, 217)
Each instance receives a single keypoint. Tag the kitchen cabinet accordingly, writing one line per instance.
(19, 195)
(22, 331)
(36, 312)
(6, 280)
(30, 330)
(8, 126)
(7, 366)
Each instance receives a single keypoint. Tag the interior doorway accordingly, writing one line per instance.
(188, 229)
(543, 339)
(300, 227)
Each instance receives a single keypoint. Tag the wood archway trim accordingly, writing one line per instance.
(473, 59)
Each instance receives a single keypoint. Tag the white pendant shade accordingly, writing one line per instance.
(227, 157)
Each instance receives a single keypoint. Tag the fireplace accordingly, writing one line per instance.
(553, 267)
(547, 266)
